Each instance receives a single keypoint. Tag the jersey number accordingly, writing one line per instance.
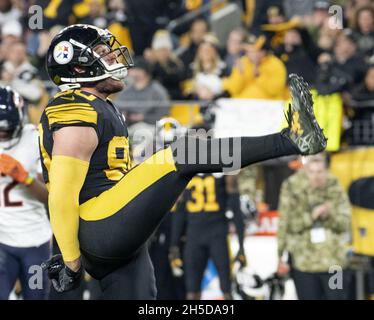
(203, 193)
(6, 198)
(118, 158)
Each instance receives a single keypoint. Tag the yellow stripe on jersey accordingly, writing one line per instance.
(45, 157)
(62, 93)
(71, 113)
(231, 255)
(67, 109)
(129, 187)
(89, 97)
(66, 106)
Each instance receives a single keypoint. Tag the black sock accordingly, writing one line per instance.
(194, 155)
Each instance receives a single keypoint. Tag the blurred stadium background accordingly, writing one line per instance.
(191, 65)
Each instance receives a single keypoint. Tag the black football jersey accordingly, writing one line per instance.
(111, 159)
(205, 200)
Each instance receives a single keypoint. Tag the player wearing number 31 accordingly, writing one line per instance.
(25, 232)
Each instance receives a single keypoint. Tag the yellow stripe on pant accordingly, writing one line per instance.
(129, 187)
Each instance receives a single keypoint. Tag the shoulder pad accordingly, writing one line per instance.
(71, 107)
(74, 95)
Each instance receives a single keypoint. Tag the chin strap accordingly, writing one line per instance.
(119, 74)
(75, 83)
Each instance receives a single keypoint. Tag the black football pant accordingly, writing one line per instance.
(115, 225)
(200, 247)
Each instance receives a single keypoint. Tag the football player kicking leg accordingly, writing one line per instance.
(102, 211)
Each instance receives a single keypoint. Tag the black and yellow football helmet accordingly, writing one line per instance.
(74, 47)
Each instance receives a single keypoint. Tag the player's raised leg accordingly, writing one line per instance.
(119, 221)
(302, 136)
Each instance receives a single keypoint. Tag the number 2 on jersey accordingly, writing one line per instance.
(5, 199)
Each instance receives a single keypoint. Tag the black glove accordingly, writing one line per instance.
(63, 278)
(241, 258)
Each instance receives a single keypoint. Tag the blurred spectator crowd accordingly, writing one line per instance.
(179, 57)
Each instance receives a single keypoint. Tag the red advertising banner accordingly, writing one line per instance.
(267, 223)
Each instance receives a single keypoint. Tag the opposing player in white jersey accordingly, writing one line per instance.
(25, 234)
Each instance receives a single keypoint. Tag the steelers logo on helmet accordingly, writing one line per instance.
(63, 52)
